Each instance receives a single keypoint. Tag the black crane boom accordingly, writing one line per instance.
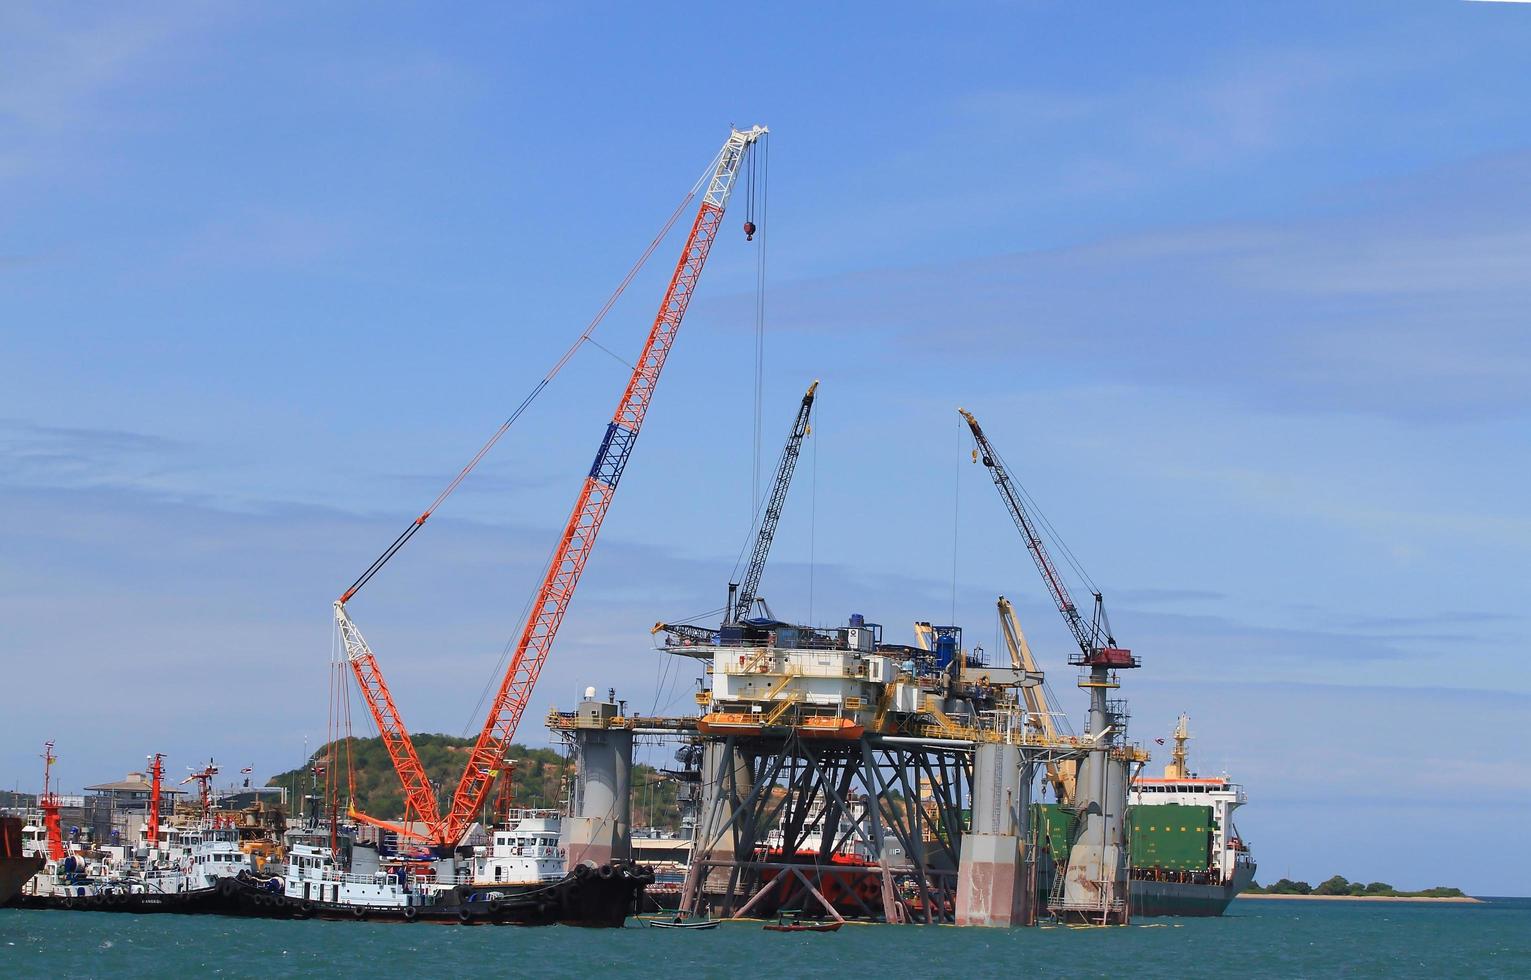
(746, 594)
(1097, 647)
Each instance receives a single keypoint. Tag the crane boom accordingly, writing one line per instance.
(784, 468)
(595, 496)
(419, 798)
(924, 636)
(1060, 775)
(1097, 648)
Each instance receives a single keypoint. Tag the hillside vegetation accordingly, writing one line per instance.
(1338, 886)
(540, 776)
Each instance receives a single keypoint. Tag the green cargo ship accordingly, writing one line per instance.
(1186, 856)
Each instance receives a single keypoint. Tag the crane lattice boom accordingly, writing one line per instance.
(419, 798)
(784, 468)
(594, 499)
(1096, 645)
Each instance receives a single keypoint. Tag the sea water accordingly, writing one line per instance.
(1256, 938)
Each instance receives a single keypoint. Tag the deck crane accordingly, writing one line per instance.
(595, 496)
(1097, 647)
(1093, 886)
(741, 596)
(745, 598)
(925, 636)
(1060, 775)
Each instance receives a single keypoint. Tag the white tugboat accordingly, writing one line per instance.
(518, 877)
(523, 851)
(181, 869)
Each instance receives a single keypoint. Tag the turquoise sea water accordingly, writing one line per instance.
(1256, 938)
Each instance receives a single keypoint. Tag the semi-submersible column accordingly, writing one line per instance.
(1095, 882)
(993, 888)
(720, 842)
(599, 825)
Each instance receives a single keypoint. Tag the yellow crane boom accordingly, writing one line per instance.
(1060, 775)
(924, 636)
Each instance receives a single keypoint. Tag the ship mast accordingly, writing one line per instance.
(1176, 768)
(203, 778)
(49, 803)
(156, 776)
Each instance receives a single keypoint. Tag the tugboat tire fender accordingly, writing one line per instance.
(607, 871)
(464, 916)
(410, 913)
(358, 914)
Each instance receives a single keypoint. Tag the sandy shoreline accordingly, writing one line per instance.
(1466, 900)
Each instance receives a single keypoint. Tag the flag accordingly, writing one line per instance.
(1158, 741)
(247, 770)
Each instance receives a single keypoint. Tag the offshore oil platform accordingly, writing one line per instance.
(832, 773)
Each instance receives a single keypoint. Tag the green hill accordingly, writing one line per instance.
(539, 781)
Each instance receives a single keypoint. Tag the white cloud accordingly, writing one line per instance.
(66, 76)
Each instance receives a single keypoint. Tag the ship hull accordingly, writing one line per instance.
(594, 898)
(202, 901)
(590, 898)
(1149, 899)
(15, 872)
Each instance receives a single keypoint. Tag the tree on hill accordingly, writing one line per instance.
(1339, 887)
(1334, 886)
(1441, 891)
(540, 777)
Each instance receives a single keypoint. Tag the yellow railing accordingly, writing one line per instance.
(781, 708)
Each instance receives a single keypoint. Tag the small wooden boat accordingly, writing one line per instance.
(798, 925)
(681, 922)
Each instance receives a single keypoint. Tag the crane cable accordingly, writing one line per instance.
(757, 190)
(1046, 525)
(585, 336)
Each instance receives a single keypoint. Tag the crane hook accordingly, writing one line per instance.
(749, 231)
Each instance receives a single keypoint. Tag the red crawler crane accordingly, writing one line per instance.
(594, 497)
(574, 548)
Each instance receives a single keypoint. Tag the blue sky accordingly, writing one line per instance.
(1238, 290)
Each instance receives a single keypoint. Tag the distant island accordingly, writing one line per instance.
(1339, 887)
